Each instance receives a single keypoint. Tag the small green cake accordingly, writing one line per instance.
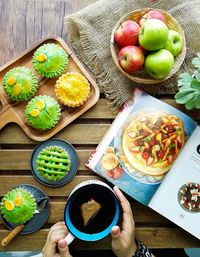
(20, 83)
(50, 60)
(53, 163)
(43, 112)
(18, 206)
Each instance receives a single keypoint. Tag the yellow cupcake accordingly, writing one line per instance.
(72, 89)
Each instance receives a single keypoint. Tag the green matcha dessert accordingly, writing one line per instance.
(18, 206)
(50, 60)
(53, 163)
(20, 83)
(43, 112)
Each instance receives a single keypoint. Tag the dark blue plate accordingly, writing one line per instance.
(72, 155)
(39, 219)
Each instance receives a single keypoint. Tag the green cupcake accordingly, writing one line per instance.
(20, 83)
(18, 206)
(43, 112)
(50, 60)
(53, 163)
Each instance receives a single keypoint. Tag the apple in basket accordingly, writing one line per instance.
(131, 58)
(153, 35)
(159, 64)
(174, 42)
(154, 14)
(127, 33)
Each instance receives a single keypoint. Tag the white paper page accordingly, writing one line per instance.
(169, 201)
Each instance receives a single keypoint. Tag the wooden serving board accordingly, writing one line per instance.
(15, 111)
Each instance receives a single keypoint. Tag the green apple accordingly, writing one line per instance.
(174, 42)
(159, 64)
(153, 35)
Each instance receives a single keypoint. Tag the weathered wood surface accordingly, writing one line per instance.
(22, 24)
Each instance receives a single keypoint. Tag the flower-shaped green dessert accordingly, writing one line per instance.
(43, 112)
(50, 60)
(20, 83)
(53, 163)
(18, 206)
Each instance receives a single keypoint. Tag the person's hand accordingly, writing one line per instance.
(123, 241)
(55, 238)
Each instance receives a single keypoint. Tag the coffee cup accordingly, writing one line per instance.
(99, 226)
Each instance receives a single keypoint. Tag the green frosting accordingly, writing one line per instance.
(53, 163)
(43, 112)
(22, 211)
(20, 83)
(50, 60)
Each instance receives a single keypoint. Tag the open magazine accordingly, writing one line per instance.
(152, 152)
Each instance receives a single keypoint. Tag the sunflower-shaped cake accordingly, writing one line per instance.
(43, 112)
(20, 83)
(18, 206)
(72, 89)
(50, 60)
(53, 163)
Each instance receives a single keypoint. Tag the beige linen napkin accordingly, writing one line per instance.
(89, 30)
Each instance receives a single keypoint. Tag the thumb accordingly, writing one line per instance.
(63, 248)
(115, 232)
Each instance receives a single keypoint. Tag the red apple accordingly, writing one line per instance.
(154, 14)
(131, 58)
(127, 33)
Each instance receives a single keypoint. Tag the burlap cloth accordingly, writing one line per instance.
(89, 30)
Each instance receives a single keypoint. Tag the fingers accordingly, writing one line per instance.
(124, 202)
(128, 221)
(115, 232)
(57, 232)
(63, 248)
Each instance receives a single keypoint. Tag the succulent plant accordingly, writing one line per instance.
(189, 87)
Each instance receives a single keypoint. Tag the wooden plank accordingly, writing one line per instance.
(31, 21)
(8, 182)
(151, 237)
(21, 159)
(142, 214)
(74, 133)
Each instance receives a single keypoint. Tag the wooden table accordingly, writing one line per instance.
(23, 23)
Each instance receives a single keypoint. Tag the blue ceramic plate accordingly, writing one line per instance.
(39, 219)
(72, 155)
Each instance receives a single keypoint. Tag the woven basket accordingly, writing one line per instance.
(141, 76)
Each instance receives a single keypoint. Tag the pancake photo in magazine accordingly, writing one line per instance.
(139, 151)
(149, 152)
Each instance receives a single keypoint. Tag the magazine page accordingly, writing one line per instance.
(178, 199)
(141, 145)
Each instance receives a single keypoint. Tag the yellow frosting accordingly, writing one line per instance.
(41, 58)
(34, 113)
(72, 89)
(11, 81)
(40, 105)
(17, 89)
(18, 200)
(9, 205)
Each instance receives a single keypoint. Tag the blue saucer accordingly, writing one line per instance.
(39, 219)
(72, 155)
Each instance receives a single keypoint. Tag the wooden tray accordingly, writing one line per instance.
(15, 111)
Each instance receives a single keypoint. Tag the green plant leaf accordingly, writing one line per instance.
(197, 105)
(195, 84)
(183, 97)
(189, 87)
(196, 61)
(191, 103)
(197, 75)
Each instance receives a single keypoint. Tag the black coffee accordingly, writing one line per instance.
(104, 217)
